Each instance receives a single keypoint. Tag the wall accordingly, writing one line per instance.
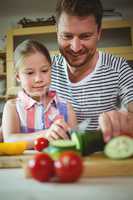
(11, 11)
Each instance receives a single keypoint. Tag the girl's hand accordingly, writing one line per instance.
(58, 130)
(114, 123)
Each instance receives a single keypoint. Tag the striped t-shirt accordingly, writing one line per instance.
(105, 89)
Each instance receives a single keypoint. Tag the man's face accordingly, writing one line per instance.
(77, 38)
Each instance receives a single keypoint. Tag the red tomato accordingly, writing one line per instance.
(41, 167)
(40, 143)
(69, 167)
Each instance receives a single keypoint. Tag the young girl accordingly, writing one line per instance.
(37, 111)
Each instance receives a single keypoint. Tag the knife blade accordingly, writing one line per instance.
(80, 127)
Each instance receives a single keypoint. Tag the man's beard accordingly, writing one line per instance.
(71, 63)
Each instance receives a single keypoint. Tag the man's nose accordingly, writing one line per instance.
(76, 44)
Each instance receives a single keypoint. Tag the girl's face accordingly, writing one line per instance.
(35, 74)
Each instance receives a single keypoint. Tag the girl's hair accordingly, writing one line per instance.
(80, 8)
(27, 48)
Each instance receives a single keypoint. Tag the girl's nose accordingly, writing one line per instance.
(38, 78)
(76, 44)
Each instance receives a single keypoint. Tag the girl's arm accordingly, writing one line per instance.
(11, 126)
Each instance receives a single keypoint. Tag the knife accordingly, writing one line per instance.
(80, 127)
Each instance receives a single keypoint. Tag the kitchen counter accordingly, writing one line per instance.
(14, 186)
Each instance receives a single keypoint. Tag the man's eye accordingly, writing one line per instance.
(85, 37)
(66, 37)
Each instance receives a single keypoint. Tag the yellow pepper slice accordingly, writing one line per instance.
(12, 148)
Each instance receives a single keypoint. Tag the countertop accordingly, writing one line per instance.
(14, 186)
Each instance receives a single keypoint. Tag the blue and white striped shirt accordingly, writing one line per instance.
(108, 86)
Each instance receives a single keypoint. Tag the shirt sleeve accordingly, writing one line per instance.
(126, 83)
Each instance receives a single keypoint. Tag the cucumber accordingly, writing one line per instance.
(77, 139)
(56, 147)
(88, 142)
(84, 143)
(120, 147)
(54, 152)
(94, 142)
(63, 144)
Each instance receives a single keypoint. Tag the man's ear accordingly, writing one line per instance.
(99, 33)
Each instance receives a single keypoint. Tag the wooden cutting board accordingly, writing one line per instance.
(96, 165)
(15, 161)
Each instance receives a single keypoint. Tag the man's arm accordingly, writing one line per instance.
(114, 123)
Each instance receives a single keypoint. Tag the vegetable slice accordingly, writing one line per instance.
(120, 147)
(63, 144)
(77, 139)
(56, 147)
(12, 148)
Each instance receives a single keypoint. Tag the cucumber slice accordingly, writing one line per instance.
(63, 144)
(120, 147)
(77, 139)
(54, 152)
(56, 147)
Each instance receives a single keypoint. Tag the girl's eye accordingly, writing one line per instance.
(28, 73)
(45, 70)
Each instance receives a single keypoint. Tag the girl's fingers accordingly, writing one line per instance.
(60, 131)
(62, 124)
(53, 135)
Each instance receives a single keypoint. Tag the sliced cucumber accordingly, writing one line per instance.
(77, 139)
(56, 147)
(63, 144)
(85, 143)
(120, 147)
(54, 152)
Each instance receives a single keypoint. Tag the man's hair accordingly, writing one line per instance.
(80, 8)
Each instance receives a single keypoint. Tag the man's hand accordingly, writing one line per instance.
(114, 123)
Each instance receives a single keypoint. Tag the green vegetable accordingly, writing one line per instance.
(78, 141)
(85, 143)
(56, 147)
(120, 147)
(63, 144)
(88, 142)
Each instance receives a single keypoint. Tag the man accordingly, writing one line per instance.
(96, 83)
